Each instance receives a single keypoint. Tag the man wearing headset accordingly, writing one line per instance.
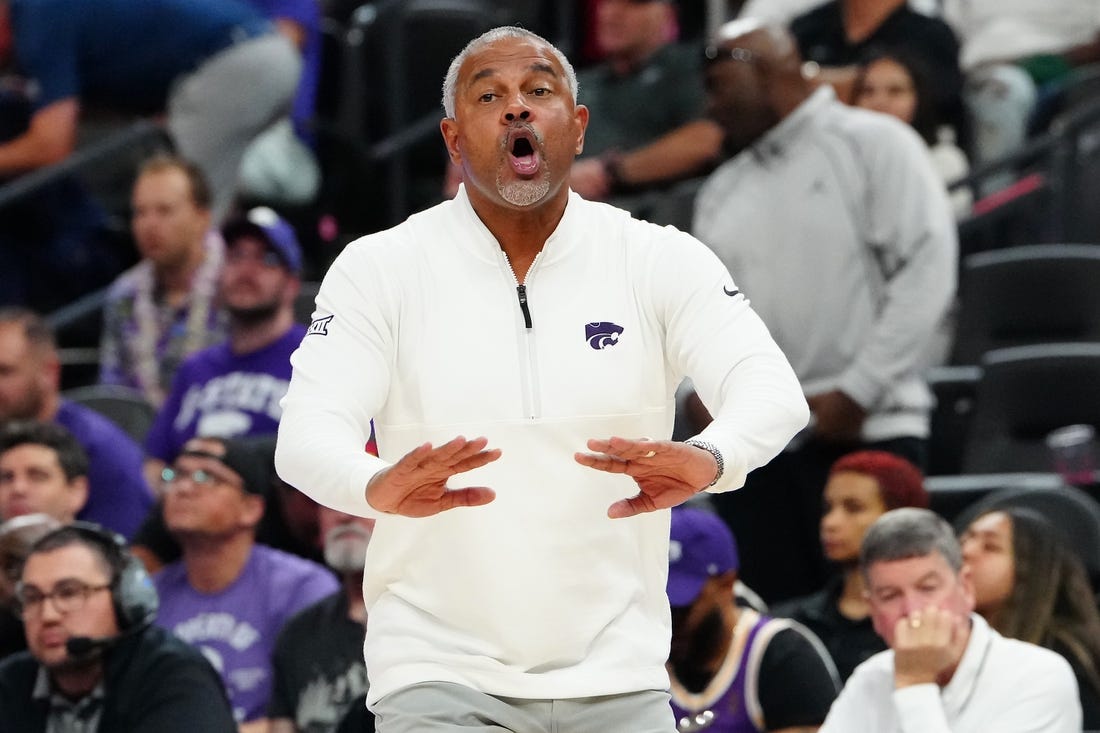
(95, 662)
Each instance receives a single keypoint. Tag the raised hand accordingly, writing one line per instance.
(416, 486)
(927, 643)
(667, 472)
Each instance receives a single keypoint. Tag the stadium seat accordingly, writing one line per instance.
(1041, 293)
(126, 407)
(1023, 394)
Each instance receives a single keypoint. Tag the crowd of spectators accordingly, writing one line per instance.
(809, 145)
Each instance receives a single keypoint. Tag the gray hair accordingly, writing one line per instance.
(908, 532)
(490, 37)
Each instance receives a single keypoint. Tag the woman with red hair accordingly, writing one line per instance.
(862, 486)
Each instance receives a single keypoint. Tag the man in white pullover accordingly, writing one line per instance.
(946, 670)
(528, 339)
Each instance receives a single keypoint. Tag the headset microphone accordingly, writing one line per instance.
(82, 646)
(133, 595)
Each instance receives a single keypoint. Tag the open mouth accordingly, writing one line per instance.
(524, 157)
(522, 147)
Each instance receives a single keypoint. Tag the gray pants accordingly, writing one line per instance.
(215, 112)
(444, 707)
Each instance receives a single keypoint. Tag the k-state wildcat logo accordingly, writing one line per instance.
(603, 334)
(319, 326)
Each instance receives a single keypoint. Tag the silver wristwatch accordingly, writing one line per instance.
(713, 450)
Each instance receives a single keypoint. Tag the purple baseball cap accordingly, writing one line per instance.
(273, 229)
(700, 547)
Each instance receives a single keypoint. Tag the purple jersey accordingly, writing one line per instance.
(725, 696)
(217, 393)
(236, 629)
(118, 496)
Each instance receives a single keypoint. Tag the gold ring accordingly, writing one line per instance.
(650, 454)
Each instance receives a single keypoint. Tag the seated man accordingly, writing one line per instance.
(646, 101)
(233, 388)
(946, 669)
(218, 70)
(165, 307)
(289, 522)
(319, 670)
(43, 469)
(228, 595)
(30, 383)
(732, 669)
(94, 662)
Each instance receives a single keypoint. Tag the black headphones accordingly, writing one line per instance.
(132, 591)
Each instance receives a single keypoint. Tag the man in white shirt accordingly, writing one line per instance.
(946, 670)
(513, 346)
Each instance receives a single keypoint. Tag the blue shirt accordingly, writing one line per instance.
(122, 53)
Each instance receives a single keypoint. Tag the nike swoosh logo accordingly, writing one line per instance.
(729, 292)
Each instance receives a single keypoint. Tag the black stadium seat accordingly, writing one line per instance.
(1023, 394)
(1025, 295)
(126, 407)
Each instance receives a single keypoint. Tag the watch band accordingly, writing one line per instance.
(713, 450)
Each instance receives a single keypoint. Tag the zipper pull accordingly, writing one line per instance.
(521, 291)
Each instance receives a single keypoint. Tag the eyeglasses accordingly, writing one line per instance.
(67, 596)
(172, 476)
(714, 54)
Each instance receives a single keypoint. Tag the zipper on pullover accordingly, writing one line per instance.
(528, 365)
(521, 291)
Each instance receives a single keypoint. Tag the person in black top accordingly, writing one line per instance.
(840, 34)
(319, 674)
(94, 661)
(862, 486)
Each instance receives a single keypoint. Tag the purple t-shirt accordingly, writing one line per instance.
(118, 496)
(217, 393)
(236, 629)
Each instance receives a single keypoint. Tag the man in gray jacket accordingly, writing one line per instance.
(844, 242)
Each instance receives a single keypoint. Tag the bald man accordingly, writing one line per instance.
(852, 273)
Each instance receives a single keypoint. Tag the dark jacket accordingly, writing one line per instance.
(850, 642)
(154, 683)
